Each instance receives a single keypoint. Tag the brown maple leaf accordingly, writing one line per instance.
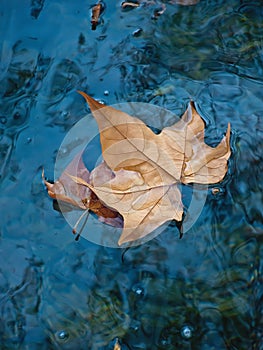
(147, 168)
(66, 190)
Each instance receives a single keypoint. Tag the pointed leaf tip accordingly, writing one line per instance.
(83, 94)
(93, 104)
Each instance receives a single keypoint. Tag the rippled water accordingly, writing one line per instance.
(201, 292)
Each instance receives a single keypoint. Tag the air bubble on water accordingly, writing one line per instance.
(64, 150)
(65, 114)
(62, 335)
(187, 332)
(138, 290)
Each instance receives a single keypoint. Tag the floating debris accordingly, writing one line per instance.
(128, 5)
(215, 190)
(96, 12)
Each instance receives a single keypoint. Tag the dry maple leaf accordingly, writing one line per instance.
(66, 190)
(147, 168)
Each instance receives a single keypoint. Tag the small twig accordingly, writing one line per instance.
(74, 230)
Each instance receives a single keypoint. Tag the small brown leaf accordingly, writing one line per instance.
(129, 4)
(78, 194)
(66, 190)
(95, 15)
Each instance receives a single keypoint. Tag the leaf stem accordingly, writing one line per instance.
(74, 230)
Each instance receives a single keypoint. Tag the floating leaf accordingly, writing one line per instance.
(147, 168)
(66, 190)
(95, 15)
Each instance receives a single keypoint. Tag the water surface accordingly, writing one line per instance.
(56, 293)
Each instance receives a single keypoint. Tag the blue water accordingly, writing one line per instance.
(203, 291)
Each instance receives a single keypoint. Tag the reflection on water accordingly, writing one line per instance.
(201, 292)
